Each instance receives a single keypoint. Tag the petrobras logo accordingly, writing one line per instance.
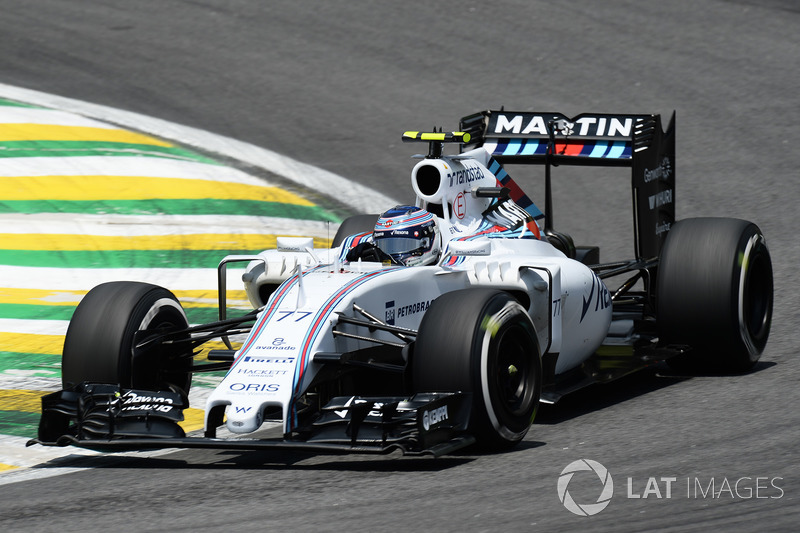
(582, 125)
(390, 313)
(393, 311)
(606, 487)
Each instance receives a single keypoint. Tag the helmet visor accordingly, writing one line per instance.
(401, 245)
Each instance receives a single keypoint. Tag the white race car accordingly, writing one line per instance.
(433, 326)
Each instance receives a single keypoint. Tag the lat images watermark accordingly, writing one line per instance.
(585, 509)
(595, 479)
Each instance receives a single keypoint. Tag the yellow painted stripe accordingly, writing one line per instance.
(4, 467)
(26, 401)
(34, 343)
(30, 401)
(192, 419)
(209, 296)
(31, 343)
(50, 132)
(204, 241)
(202, 355)
(39, 296)
(196, 298)
(137, 188)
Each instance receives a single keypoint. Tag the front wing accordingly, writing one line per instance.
(109, 418)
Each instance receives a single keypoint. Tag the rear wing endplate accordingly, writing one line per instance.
(590, 139)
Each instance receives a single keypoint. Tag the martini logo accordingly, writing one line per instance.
(582, 125)
(606, 487)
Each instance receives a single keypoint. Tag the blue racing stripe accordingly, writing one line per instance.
(617, 150)
(531, 147)
(513, 147)
(600, 149)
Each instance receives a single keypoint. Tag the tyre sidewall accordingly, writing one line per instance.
(712, 273)
(500, 318)
(98, 346)
(456, 350)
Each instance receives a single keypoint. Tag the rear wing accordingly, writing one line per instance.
(552, 139)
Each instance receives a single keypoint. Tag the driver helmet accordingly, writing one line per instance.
(409, 235)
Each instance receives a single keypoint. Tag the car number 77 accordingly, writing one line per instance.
(286, 314)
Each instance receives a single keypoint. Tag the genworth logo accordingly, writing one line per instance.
(606, 492)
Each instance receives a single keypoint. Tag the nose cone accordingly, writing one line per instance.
(243, 419)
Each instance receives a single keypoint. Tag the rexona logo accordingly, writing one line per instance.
(606, 492)
(135, 402)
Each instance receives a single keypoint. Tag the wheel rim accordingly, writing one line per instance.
(757, 304)
(514, 373)
(161, 368)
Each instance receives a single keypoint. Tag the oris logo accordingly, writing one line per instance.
(585, 509)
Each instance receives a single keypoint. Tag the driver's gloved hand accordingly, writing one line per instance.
(367, 251)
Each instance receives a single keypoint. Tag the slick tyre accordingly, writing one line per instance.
(100, 342)
(354, 225)
(483, 342)
(714, 294)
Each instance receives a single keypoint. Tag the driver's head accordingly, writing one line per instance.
(409, 235)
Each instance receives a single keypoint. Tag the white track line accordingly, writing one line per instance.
(156, 167)
(360, 198)
(83, 279)
(28, 115)
(132, 225)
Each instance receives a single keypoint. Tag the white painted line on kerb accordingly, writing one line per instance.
(357, 196)
(153, 167)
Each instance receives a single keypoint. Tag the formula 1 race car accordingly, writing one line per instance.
(433, 326)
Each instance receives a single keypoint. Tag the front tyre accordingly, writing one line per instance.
(714, 293)
(482, 341)
(99, 345)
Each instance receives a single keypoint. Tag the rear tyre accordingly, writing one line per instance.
(482, 341)
(99, 345)
(714, 293)
(354, 225)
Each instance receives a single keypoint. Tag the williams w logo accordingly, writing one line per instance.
(585, 509)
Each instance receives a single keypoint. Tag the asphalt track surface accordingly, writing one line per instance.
(334, 85)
